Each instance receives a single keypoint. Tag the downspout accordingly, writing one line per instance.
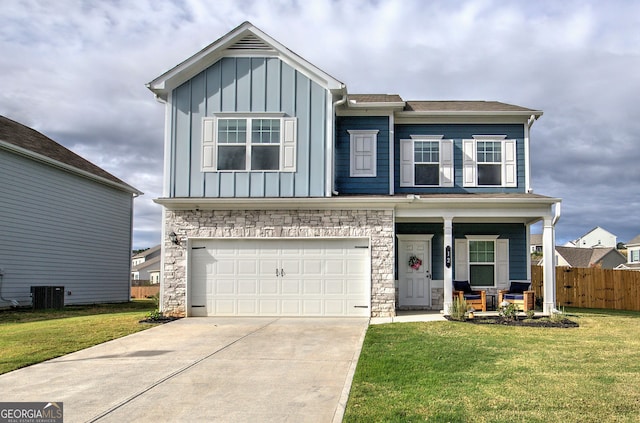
(333, 140)
(527, 148)
(556, 218)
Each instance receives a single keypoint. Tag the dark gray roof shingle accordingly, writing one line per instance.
(29, 139)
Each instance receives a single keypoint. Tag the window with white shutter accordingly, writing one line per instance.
(426, 161)
(489, 160)
(259, 142)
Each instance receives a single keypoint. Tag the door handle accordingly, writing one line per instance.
(277, 273)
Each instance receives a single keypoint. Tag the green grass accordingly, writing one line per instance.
(459, 372)
(28, 337)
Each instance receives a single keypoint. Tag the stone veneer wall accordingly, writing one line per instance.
(374, 224)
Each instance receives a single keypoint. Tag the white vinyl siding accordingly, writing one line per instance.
(420, 154)
(494, 150)
(362, 146)
(259, 142)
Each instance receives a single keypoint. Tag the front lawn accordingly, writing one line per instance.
(460, 372)
(28, 337)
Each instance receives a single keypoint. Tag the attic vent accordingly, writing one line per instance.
(250, 42)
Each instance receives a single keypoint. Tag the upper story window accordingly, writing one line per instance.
(634, 256)
(489, 160)
(426, 161)
(362, 147)
(257, 142)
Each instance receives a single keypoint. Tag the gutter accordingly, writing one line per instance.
(331, 173)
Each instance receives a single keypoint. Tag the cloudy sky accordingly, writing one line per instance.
(76, 71)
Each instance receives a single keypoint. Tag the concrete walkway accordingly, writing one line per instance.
(204, 369)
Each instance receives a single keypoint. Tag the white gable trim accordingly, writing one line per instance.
(228, 46)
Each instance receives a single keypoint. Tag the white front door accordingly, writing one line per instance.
(414, 288)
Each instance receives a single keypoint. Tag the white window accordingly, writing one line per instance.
(363, 153)
(260, 142)
(634, 256)
(426, 161)
(489, 160)
(482, 262)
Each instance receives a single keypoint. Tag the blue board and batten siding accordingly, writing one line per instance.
(242, 84)
(62, 229)
(362, 185)
(458, 132)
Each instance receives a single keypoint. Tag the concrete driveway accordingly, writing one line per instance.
(204, 369)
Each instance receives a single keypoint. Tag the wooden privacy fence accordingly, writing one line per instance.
(592, 288)
(144, 291)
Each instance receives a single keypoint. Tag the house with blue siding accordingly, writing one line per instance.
(285, 195)
(65, 222)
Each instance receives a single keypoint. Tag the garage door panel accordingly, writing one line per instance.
(312, 287)
(269, 307)
(247, 287)
(224, 287)
(312, 307)
(291, 287)
(268, 287)
(298, 277)
(334, 287)
(291, 308)
(247, 307)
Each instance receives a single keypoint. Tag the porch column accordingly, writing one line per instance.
(448, 263)
(548, 265)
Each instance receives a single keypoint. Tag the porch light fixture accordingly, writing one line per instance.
(174, 238)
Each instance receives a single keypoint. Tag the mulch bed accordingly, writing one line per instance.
(163, 319)
(537, 322)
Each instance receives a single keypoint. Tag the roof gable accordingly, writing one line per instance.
(27, 141)
(634, 241)
(244, 40)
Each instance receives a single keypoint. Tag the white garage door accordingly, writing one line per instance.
(281, 277)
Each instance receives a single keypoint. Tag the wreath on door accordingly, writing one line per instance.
(415, 262)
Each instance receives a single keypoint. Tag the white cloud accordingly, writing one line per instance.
(76, 71)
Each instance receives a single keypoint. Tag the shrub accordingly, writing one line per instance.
(458, 309)
(508, 310)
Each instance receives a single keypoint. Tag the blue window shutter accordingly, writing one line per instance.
(208, 145)
(510, 164)
(406, 163)
(289, 145)
(446, 163)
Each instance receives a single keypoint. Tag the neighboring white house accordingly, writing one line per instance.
(596, 238)
(64, 222)
(535, 243)
(633, 255)
(145, 266)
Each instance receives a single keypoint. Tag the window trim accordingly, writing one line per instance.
(491, 238)
(354, 134)
(509, 165)
(287, 143)
(407, 161)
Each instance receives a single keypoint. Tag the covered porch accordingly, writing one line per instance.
(481, 238)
